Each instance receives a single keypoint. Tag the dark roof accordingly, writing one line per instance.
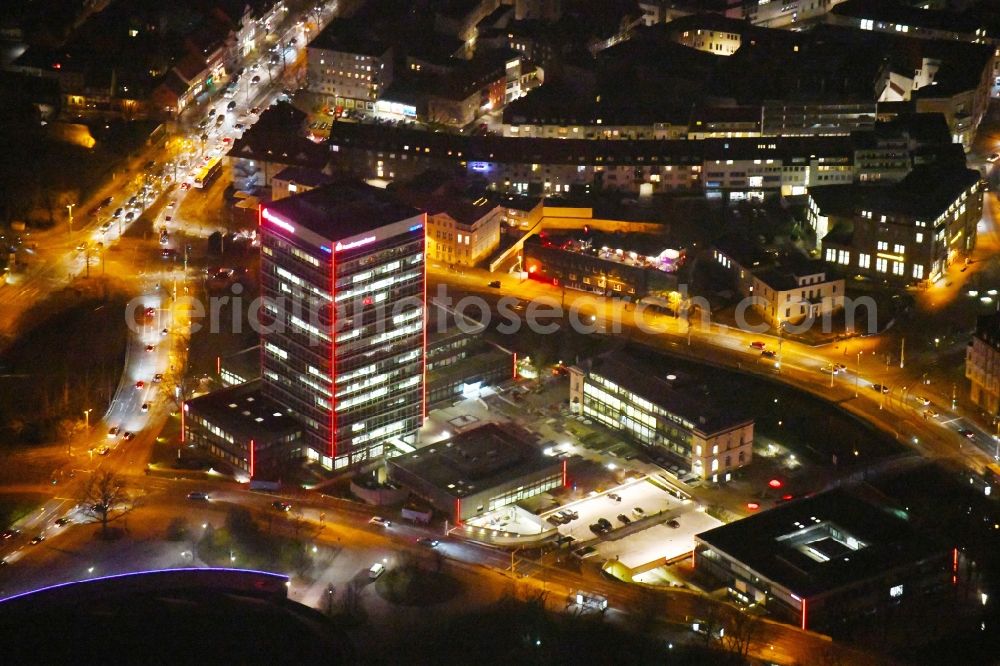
(522, 202)
(924, 194)
(893, 11)
(349, 35)
(709, 21)
(988, 329)
(476, 460)
(645, 373)
(462, 209)
(343, 209)
(236, 410)
(277, 137)
(771, 543)
(838, 64)
(368, 136)
(468, 77)
(782, 276)
(920, 128)
(303, 176)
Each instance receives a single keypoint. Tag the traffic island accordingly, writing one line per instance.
(412, 585)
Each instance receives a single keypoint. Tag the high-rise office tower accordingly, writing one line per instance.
(343, 287)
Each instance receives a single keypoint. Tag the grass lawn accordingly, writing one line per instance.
(14, 506)
(410, 585)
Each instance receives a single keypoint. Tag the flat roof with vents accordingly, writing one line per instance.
(473, 461)
(243, 412)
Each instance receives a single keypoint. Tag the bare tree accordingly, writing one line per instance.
(709, 627)
(106, 499)
(741, 631)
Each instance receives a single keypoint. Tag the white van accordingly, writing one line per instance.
(377, 570)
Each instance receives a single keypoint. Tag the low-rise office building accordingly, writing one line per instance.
(828, 560)
(637, 392)
(460, 361)
(241, 367)
(243, 428)
(479, 470)
(982, 364)
(903, 232)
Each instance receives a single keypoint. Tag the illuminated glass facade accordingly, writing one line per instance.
(343, 286)
(634, 392)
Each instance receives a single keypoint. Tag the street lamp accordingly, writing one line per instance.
(70, 207)
(857, 374)
(86, 416)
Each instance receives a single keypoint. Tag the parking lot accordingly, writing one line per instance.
(661, 543)
(639, 500)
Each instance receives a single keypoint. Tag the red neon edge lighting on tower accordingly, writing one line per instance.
(458, 511)
(515, 365)
(252, 447)
(183, 409)
(804, 615)
(423, 351)
(565, 479)
(332, 450)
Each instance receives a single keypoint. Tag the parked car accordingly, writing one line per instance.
(624, 519)
(757, 345)
(145, 407)
(767, 353)
(673, 522)
(495, 284)
(429, 542)
(281, 506)
(113, 432)
(376, 570)
(379, 520)
(198, 496)
(128, 436)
